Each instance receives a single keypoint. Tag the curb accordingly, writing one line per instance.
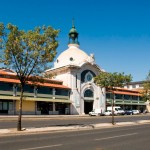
(8, 132)
(4, 117)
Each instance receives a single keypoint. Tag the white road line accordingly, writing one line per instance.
(41, 147)
(115, 136)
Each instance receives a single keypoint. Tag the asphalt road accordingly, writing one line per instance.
(116, 138)
(27, 122)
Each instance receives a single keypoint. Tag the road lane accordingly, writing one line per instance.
(118, 138)
(43, 147)
(67, 121)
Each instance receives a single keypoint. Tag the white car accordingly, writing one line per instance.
(135, 112)
(107, 113)
(95, 112)
(117, 110)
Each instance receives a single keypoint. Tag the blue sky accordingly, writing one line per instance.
(116, 31)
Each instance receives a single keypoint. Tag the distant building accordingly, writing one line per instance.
(127, 99)
(138, 86)
(134, 85)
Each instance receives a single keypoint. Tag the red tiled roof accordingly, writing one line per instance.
(50, 85)
(3, 72)
(55, 83)
(127, 93)
(9, 80)
(40, 84)
(124, 89)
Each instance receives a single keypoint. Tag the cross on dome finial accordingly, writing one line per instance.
(73, 23)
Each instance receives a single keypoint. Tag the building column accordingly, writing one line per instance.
(14, 89)
(14, 106)
(35, 91)
(37, 112)
(82, 106)
(35, 107)
(54, 106)
(53, 92)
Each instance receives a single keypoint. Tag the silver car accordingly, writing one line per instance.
(135, 112)
(108, 113)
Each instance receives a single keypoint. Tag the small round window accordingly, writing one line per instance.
(89, 77)
(71, 59)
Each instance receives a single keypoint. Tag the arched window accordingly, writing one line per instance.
(88, 93)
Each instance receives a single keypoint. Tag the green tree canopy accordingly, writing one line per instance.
(111, 80)
(27, 53)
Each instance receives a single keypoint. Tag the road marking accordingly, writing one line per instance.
(42, 147)
(115, 136)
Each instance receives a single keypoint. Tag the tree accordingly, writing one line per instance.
(27, 53)
(146, 89)
(111, 81)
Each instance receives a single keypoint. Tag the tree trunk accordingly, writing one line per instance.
(113, 119)
(19, 126)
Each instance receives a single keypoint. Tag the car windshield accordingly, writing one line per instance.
(119, 108)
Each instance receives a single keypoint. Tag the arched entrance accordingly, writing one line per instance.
(88, 101)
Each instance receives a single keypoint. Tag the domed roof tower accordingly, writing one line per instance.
(73, 55)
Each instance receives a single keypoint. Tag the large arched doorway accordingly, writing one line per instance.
(88, 101)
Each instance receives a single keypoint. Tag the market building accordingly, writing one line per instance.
(49, 97)
(77, 69)
(70, 91)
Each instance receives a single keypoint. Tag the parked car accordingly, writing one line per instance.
(135, 112)
(117, 110)
(128, 112)
(108, 113)
(95, 112)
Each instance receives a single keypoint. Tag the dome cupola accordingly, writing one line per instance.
(73, 35)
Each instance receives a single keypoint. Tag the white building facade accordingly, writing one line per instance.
(77, 69)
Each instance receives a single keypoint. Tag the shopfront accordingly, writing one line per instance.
(6, 106)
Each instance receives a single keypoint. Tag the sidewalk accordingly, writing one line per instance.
(8, 132)
(48, 116)
(41, 116)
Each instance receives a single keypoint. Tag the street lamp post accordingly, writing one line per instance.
(113, 100)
